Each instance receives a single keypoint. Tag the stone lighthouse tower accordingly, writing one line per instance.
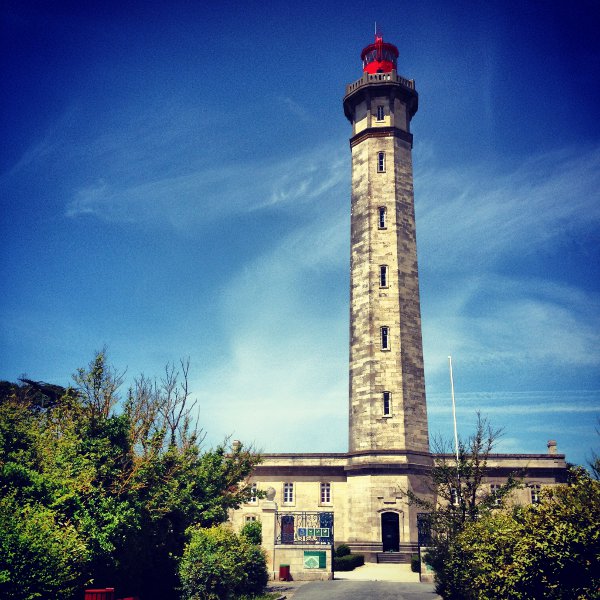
(388, 436)
(387, 386)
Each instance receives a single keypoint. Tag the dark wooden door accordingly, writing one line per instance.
(390, 532)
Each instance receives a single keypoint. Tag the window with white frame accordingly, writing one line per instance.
(325, 493)
(380, 112)
(383, 276)
(536, 488)
(387, 404)
(250, 518)
(385, 338)
(382, 222)
(495, 492)
(253, 498)
(381, 162)
(288, 493)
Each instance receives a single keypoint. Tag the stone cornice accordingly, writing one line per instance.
(377, 132)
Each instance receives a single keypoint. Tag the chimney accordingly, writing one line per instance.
(551, 446)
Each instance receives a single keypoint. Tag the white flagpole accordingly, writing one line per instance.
(453, 410)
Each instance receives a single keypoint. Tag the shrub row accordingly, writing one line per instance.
(415, 563)
(342, 550)
(348, 562)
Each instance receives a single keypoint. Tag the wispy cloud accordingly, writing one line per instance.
(474, 228)
(296, 109)
(528, 418)
(284, 380)
(484, 217)
(496, 322)
(201, 196)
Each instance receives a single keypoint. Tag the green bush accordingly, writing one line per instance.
(349, 562)
(548, 550)
(342, 550)
(40, 556)
(252, 531)
(217, 564)
(415, 563)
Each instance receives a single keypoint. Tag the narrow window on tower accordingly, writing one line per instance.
(381, 162)
(383, 276)
(385, 338)
(387, 404)
(382, 224)
(380, 113)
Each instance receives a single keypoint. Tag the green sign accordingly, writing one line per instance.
(315, 560)
(321, 532)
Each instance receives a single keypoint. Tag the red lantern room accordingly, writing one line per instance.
(379, 57)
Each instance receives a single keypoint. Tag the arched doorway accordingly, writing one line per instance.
(390, 531)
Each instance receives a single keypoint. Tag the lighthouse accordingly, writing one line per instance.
(387, 385)
(388, 436)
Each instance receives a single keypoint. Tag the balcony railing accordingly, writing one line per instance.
(375, 78)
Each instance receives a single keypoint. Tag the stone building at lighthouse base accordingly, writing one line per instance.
(369, 505)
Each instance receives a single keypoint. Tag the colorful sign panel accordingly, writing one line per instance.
(321, 532)
(315, 560)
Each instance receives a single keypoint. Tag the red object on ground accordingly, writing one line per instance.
(379, 57)
(100, 594)
(284, 573)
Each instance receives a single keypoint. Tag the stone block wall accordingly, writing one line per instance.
(398, 369)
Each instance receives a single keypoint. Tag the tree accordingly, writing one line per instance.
(98, 385)
(123, 480)
(457, 497)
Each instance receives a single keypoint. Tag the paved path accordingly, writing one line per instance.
(371, 582)
(367, 590)
(380, 572)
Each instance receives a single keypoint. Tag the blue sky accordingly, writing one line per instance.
(175, 181)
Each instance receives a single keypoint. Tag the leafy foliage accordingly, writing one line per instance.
(457, 496)
(342, 550)
(349, 562)
(42, 556)
(219, 565)
(415, 563)
(252, 531)
(548, 550)
(92, 495)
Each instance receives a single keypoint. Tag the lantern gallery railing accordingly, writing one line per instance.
(311, 528)
(376, 78)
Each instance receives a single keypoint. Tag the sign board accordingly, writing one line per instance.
(320, 532)
(315, 560)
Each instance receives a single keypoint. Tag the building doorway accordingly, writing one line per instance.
(390, 531)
